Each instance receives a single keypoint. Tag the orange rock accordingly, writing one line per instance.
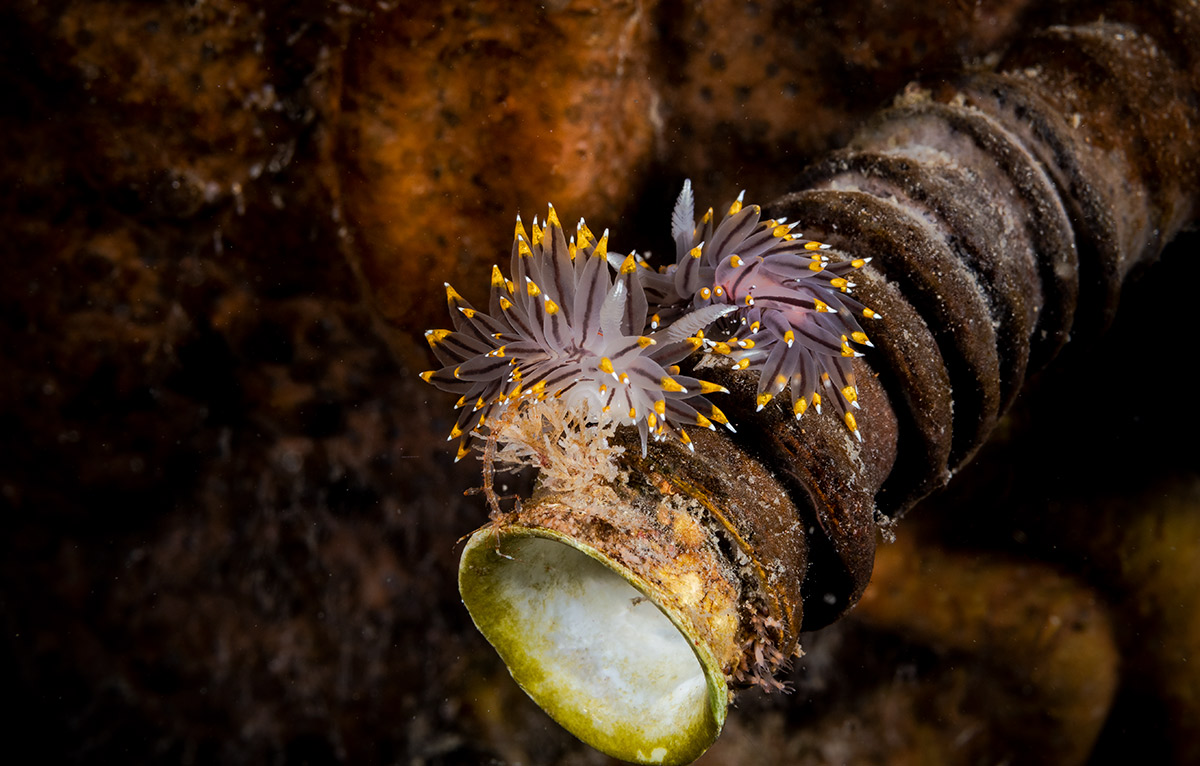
(455, 119)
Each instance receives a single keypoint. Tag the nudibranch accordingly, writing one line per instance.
(793, 320)
(600, 336)
(569, 327)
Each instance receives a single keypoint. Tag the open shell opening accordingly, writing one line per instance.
(586, 639)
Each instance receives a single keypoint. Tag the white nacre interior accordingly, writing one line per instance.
(591, 649)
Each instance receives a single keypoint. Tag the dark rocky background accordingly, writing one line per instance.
(229, 515)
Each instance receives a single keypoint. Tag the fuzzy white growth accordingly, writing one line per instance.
(573, 449)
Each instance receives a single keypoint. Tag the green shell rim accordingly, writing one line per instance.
(493, 617)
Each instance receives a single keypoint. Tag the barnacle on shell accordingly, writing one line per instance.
(569, 329)
(793, 320)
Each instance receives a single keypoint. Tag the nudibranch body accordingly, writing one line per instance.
(793, 320)
(565, 329)
(600, 336)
